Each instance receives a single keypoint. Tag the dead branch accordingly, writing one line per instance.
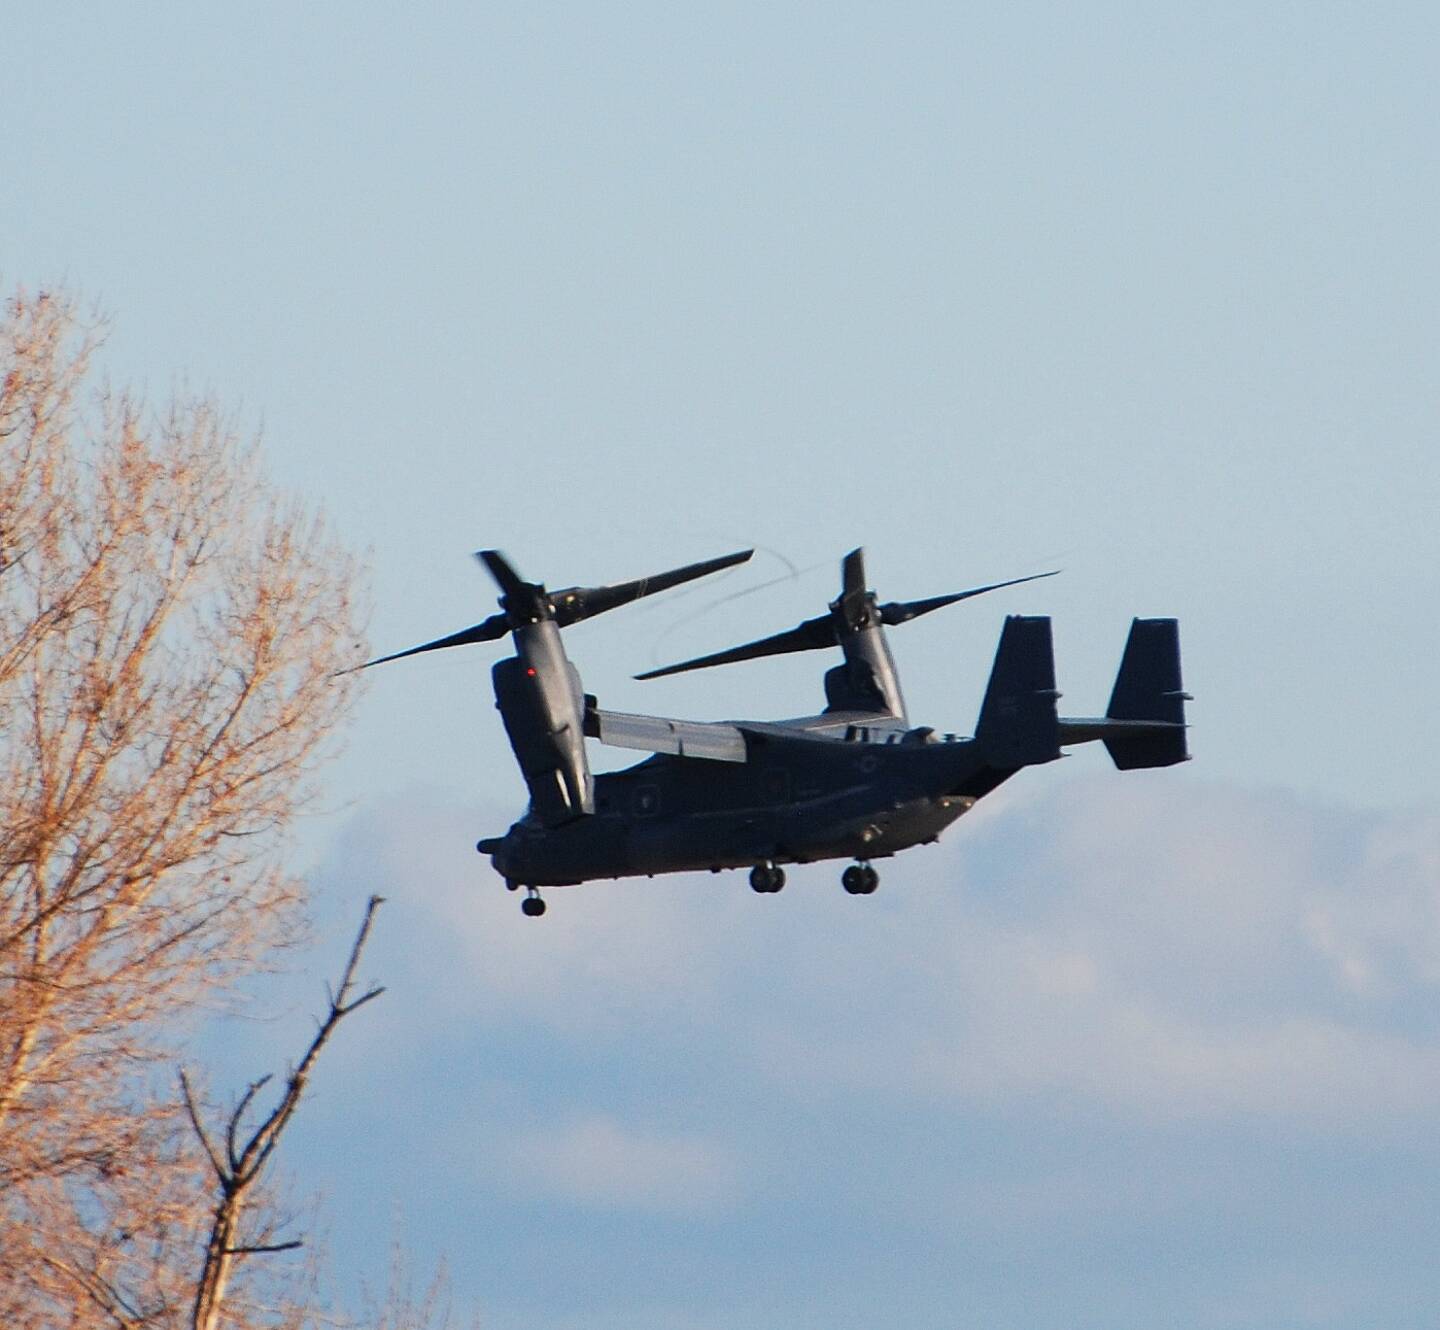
(247, 1155)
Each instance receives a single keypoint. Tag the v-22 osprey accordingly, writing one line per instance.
(854, 782)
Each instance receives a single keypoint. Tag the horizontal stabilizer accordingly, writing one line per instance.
(1148, 689)
(1018, 725)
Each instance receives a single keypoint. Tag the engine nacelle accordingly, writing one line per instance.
(542, 703)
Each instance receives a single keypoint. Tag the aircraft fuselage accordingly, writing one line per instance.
(796, 799)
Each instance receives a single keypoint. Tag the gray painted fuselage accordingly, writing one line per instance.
(796, 799)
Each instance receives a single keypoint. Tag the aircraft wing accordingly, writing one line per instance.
(657, 734)
(834, 724)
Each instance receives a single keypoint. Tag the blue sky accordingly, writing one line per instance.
(1144, 292)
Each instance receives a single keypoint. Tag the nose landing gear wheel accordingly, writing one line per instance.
(860, 879)
(532, 906)
(766, 878)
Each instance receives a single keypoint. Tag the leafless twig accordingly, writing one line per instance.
(247, 1153)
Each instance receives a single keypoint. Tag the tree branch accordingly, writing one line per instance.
(244, 1164)
(193, 1114)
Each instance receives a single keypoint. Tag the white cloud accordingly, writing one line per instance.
(1161, 954)
(1180, 1034)
(597, 1162)
(1148, 943)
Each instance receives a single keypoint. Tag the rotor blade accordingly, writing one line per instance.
(902, 611)
(577, 603)
(499, 568)
(852, 574)
(812, 635)
(855, 600)
(494, 627)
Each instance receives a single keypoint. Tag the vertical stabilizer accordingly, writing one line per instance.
(1148, 688)
(1018, 725)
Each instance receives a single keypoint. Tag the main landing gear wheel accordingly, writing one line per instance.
(532, 906)
(860, 879)
(766, 878)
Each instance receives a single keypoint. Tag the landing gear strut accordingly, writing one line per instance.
(860, 879)
(532, 905)
(766, 878)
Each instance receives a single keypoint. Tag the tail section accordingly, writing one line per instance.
(1018, 725)
(1148, 689)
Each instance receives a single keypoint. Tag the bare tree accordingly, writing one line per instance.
(168, 631)
(238, 1156)
(408, 1306)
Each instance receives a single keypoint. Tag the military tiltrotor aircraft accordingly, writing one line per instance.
(855, 782)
